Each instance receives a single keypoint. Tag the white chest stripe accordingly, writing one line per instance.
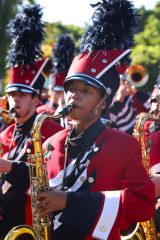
(22, 152)
(128, 126)
(155, 168)
(108, 215)
(125, 119)
(79, 181)
(56, 221)
(124, 110)
(56, 181)
(76, 185)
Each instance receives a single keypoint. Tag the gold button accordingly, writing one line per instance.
(103, 229)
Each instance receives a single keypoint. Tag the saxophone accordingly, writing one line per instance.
(140, 134)
(146, 230)
(41, 229)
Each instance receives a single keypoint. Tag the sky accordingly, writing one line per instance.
(77, 12)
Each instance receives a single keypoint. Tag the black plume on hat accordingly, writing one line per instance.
(25, 58)
(113, 26)
(106, 41)
(27, 34)
(63, 53)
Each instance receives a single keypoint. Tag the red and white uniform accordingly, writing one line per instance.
(112, 189)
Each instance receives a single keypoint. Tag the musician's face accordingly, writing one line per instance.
(87, 99)
(25, 103)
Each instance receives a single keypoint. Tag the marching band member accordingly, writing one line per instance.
(63, 53)
(150, 125)
(23, 91)
(153, 141)
(99, 185)
(127, 104)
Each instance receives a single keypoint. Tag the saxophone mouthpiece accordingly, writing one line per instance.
(66, 110)
(12, 110)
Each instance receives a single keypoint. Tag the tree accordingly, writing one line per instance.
(147, 45)
(8, 11)
(54, 30)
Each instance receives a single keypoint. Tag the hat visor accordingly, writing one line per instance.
(19, 88)
(84, 78)
(58, 88)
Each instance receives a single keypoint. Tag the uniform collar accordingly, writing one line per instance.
(26, 126)
(86, 138)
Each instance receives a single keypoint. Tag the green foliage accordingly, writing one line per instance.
(146, 49)
(54, 30)
(142, 18)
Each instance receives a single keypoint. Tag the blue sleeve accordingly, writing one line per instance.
(19, 176)
(81, 210)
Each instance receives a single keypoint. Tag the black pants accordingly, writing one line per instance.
(12, 209)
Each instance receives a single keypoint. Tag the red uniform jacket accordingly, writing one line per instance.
(48, 129)
(112, 191)
(153, 145)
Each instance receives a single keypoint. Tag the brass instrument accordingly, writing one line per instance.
(21, 232)
(139, 133)
(134, 232)
(6, 115)
(10, 113)
(39, 182)
(146, 230)
(137, 75)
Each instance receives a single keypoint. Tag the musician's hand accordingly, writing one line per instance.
(53, 200)
(133, 90)
(5, 165)
(123, 91)
(156, 180)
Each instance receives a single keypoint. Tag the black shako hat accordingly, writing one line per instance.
(25, 58)
(106, 41)
(63, 54)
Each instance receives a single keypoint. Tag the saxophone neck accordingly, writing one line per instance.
(35, 131)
